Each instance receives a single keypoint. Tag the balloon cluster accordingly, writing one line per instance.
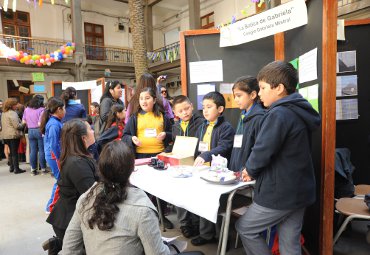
(45, 59)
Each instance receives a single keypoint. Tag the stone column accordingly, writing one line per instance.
(194, 14)
(77, 30)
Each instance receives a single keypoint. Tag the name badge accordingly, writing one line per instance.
(238, 140)
(150, 132)
(203, 146)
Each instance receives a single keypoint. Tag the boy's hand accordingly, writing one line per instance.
(199, 161)
(245, 176)
(161, 136)
(136, 141)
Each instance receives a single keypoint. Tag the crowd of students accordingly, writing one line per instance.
(271, 144)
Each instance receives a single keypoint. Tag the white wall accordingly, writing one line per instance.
(50, 21)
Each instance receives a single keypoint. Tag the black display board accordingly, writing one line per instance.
(355, 134)
(83, 95)
(245, 59)
(297, 42)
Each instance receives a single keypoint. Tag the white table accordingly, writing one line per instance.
(193, 194)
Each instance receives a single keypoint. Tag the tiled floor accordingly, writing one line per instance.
(23, 227)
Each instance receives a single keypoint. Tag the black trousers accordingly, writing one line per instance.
(13, 156)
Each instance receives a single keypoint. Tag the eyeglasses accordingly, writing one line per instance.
(164, 91)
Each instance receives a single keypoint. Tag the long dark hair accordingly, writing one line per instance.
(112, 117)
(248, 84)
(72, 143)
(116, 164)
(52, 106)
(36, 102)
(69, 93)
(146, 81)
(108, 86)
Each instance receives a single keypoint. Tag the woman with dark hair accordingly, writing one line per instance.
(31, 117)
(50, 127)
(147, 80)
(11, 133)
(77, 176)
(111, 96)
(114, 217)
(73, 108)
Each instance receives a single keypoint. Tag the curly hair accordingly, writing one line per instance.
(116, 164)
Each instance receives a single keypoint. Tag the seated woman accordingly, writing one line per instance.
(77, 175)
(113, 217)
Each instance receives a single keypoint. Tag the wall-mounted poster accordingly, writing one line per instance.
(347, 109)
(346, 61)
(346, 85)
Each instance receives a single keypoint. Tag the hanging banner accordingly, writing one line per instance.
(83, 85)
(279, 19)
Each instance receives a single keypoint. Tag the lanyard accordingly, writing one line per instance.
(186, 133)
(243, 116)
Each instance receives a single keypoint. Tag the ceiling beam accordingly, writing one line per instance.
(150, 2)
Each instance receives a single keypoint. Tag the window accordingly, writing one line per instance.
(18, 24)
(94, 40)
(208, 20)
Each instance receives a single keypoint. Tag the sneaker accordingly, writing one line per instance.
(34, 172)
(19, 171)
(45, 171)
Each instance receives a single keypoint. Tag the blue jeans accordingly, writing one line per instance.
(54, 192)
(258, 218)
(36, 145)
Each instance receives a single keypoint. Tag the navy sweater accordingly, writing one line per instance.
(222, 139)
(251, 124)
(74, 110)
(280, 160)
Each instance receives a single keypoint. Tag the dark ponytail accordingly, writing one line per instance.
(248, 84)
(116, 164)
(52, 106)
(69, 93)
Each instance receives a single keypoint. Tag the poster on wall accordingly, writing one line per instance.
(347, 109)
(347, 85)
(206, 71)
(226, 89)
(203, 89)
(346, 61)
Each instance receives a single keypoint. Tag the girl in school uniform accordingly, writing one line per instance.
(148, 131)
(245, 91)
(115, 125)
(51, 127)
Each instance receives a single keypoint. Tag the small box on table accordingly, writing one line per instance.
(182, 153)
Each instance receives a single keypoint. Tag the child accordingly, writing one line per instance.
(215, 137)
(186, 126)
(115, 125)
(148, 131)
(280, 162)
(245, 91)
(51, 127)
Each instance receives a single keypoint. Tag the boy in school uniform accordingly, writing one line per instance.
(280, 162)
(186, 126)
(216, 136)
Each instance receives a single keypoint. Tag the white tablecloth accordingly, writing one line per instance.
(193, 193)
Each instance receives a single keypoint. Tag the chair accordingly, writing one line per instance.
(353, 208)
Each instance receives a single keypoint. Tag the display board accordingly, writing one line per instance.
(355, 133)
(319, 35)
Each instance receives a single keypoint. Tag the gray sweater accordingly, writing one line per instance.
(135, 232)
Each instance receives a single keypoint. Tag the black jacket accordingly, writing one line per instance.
(280, 160)
(105, 104)
(131, 130)
(251, 124)
(222, 139)
(76, 177)
(194, 123)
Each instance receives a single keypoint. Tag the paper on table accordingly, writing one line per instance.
(307, 67)
(206, 71)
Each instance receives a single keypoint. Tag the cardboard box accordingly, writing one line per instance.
(182, 153)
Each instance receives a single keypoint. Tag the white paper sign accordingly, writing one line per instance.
(340, 30)
(307, 68)
(83, 85)
(96, 94)
(279, 19)
(206, 71)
